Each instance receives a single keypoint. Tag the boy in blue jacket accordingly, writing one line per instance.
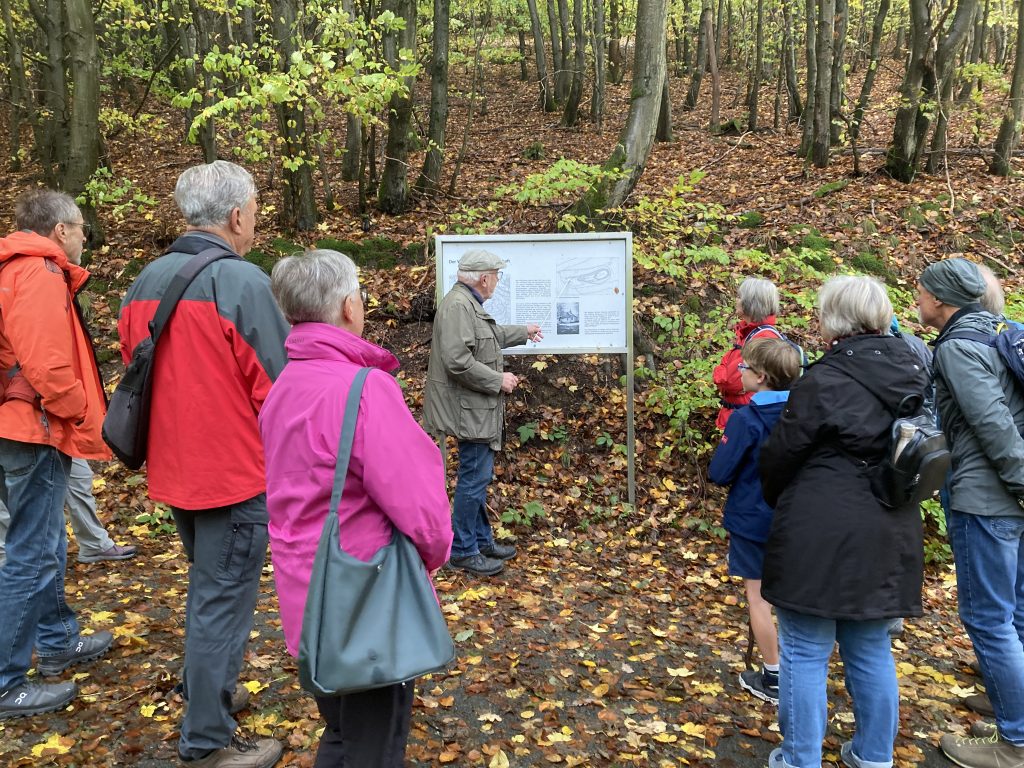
(769, 367)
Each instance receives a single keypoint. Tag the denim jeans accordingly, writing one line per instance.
(32, 601)
(805, 646)
(989, 554)
(469, 509)
(226, 549)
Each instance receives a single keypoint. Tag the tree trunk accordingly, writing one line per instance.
(83, 122)
(393, 193)
(719, 27)
(664, 132)
(350, 162)
(637, 137)
(571, 115)
(298, 192)
(19, 107)
(547, 98)
(703, 41)
(207, 135)
(874, 58)
(823, 88)
(616, 60)
(977, 46)
(430, 175)
(524, 73)
(1009, 130)
(755, 78)
(837, 93)
(789, 56)
(557, 57)
(716, 85)
(810, 46)
(598, 43)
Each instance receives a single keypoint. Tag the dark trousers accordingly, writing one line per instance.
(367, 729)
(226, 548)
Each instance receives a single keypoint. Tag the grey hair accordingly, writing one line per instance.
(207, 194)
(472, 278)
(994, 298)
(41, 209)
(310, 287)
(759, 298)
(852, 304)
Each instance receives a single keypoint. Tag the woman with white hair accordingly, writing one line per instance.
(757, 304)
(839, 566)
(395, 480)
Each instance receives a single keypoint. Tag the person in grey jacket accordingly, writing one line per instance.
(981, 409)
(465, 398)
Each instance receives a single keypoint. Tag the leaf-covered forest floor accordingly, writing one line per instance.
(613, 639)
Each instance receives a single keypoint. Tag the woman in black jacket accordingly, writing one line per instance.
(839, 566)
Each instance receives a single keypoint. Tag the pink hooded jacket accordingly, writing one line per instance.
(395, 477)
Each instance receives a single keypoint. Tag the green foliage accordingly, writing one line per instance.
(561, 184)
(535, 151)
(872, 264)
(936, 545)
(120, 195)
(160, 520)
(532, 429)
(812, 239)
(750, 219)
(679, 214)
(531, 512)
(143, 124)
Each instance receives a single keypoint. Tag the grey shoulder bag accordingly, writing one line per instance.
(367, 624)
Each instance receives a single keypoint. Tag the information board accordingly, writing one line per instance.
(578, 288)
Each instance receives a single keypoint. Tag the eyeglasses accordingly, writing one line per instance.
(745, 367)
(86, 228)
(364, 296)
(497, 275)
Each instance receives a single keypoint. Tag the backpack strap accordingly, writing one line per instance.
(180, 283)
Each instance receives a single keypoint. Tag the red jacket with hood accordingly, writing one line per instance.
(51, 388)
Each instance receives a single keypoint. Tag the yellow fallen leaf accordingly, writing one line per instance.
(599, 691)
(55, 745)
(254, 686)
(100, 617)
(692, 729)
(657, 632)
(665, 738)
(500, 760)
(448, 757)
(489, 717)
(680, 672)
(669, 485)
(147, 710)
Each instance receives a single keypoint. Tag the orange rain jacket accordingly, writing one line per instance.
(50, 387)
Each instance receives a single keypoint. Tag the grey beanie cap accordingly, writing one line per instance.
(956, 282)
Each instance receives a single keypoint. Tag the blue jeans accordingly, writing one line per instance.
(32, 600)
(989, 554)
(469, 510)
(805, 646)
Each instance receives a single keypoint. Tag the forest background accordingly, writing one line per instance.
(782, 138)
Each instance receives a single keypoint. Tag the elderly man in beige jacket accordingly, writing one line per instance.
(465, 397)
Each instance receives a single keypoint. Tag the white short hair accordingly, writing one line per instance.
(207, 194)
(471, 278)
(759, 298)
(853, 304)
(994, 298)
(310, 287)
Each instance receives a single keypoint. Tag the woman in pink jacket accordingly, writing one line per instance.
(395, 479)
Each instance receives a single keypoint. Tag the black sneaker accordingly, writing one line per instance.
(499, 552)
(87, 648)
(761, 683)
(478, 565)
(35, 698)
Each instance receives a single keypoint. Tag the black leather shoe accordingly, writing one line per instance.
(499, 552)
(35, 698)
(478, 565)
(86, 648)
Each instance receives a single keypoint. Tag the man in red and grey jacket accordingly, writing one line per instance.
(218, 355)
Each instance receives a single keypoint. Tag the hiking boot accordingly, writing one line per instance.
(478, 565)
(980, 703)
(242, 752)
(87, 648)
(239, 697)
(982, 752)
(849, 757)
(761, 683)
(499, 552)
(113, 552)
(896, 628)
(35, 698)
(983, 730)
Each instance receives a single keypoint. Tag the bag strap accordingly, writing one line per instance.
(348, 433)
(180, 283)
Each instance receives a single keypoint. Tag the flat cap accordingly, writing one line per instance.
(956, 282)
(479, 260)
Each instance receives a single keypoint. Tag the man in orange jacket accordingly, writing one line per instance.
(51, 408)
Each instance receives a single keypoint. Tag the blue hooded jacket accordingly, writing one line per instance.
(736, 464)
